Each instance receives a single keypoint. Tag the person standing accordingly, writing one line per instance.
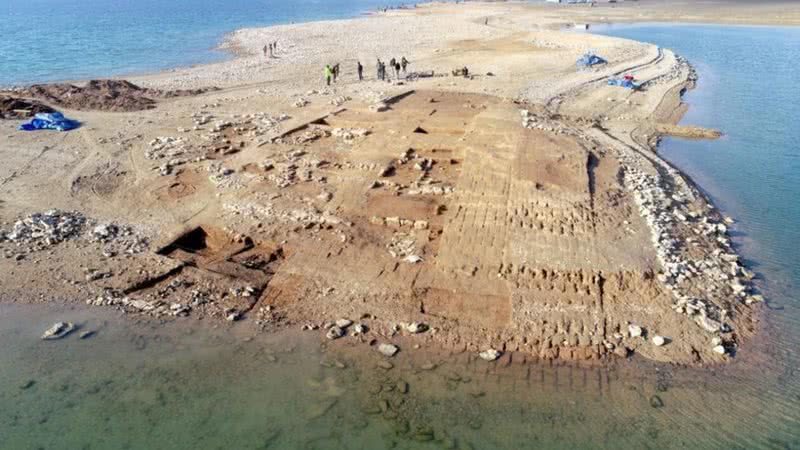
(404, 63)
(397, 70)
(360, 70)
(265, 51)
(335, 72)
(328, 73)
(392, 62)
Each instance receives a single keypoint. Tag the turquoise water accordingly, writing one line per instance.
(748, 90)
(48, 40)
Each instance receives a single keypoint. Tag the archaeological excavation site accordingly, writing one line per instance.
(436, 212)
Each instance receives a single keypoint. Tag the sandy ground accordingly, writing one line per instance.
(521, 209)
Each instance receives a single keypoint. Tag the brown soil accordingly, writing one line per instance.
(104, 95)
(20, 108)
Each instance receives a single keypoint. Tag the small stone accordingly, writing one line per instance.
(656, 402)
(716, 341)
(490, 354)
(28, 384)
(719, 349)
(402, 387)
(334, 333)
(634, 330)
(388, 350)
(343, 323)
(86, 334)
(58, 330)
(232, 317)
(416, 327)
(385, 365)
(658, 341)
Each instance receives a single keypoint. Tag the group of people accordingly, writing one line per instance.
(394, 65)
(332, 72)
(270, 49)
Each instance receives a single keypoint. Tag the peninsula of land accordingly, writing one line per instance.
(515, 207)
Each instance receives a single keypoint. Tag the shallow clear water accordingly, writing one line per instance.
(146, 385)
(47, 40)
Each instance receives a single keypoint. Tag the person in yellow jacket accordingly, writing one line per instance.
(328, 73)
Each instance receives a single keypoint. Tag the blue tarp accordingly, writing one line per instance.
(622, 82)
(50, 121)
(589, 60)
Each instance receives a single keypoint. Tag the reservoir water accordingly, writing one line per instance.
(178, 385)
(48, 40)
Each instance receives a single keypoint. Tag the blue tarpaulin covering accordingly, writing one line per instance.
(589, 60)
(50, 121)
(622, 82)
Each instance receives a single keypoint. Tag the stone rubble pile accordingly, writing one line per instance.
(118, 239)
(45, 229)
(402, 245)
(718, 275)
(348, 134)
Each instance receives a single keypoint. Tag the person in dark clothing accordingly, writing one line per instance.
(360, 70)
(404, 63)
(335, 72)
(378, 69)
(265, 51)
(397, 70)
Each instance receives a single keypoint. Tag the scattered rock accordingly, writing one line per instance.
(334, 333)
(656, 402)
(388, 349)
(658, 341)
(490, 354)
(385, 365)
(634, 330)
(416, 327)
(719, 349)
(58, 330)
(86, 334)
(343, 323)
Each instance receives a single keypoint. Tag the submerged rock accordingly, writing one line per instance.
(656, 402)
(58, 330)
